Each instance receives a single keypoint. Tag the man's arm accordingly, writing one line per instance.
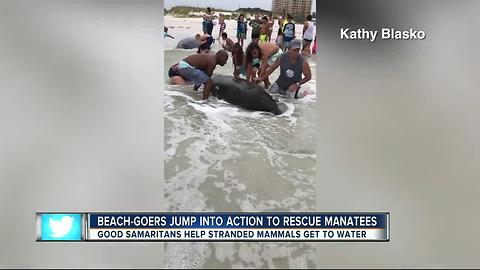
(208, 85)
(305, 27)
(211, 66)
(307, 76)
(307, 73)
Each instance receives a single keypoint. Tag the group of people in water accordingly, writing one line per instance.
(259, 60)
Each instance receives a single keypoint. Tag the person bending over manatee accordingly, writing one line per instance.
(197, 68)
(195, 42)
(238, 57)
(292, 66)
(228, 43)
(261, 55)
(206, 38)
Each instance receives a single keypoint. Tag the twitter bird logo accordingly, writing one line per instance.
(61, 227)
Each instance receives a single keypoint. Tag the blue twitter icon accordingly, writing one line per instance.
(61, 227)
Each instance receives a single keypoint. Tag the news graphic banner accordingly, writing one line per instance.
(210, 226)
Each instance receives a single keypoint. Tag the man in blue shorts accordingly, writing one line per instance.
(197, 68)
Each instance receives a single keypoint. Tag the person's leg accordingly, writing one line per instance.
(307, 44)
(209, 28)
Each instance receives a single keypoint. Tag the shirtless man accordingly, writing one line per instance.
(228, 45)
(197, 68)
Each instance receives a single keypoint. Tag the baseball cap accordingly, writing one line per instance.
(296, 44)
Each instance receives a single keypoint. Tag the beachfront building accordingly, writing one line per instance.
(294, 7)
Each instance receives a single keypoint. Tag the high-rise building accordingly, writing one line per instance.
(294, 7)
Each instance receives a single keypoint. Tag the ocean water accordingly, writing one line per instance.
(220, 157)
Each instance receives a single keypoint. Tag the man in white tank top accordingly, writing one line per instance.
(308, 34)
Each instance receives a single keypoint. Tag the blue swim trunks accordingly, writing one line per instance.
(192, 74)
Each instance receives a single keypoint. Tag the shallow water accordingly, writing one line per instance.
(223, 158)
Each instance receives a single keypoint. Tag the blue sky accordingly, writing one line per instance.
(225, 4)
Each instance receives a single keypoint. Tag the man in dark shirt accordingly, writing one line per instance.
(256, 24)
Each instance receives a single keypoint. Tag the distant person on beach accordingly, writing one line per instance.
(256, 24)
(308, 33)
(264, 30)
(241, 29)
(204, 48)
(209, 20)
(197, 68)
(261, 56)
(228, 43)
(270, 29)
(165, 33)
(288, 32)
(292, 66)
(222, 25)
(280, 25)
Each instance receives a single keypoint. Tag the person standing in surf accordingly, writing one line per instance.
(256, 25)
(197, 68)
(166, 34)
(292, 66)
(209, 21)
(308, 33)
(270, 29)
(222, 25)
(241, 29)
(265, 30)
(288, 32)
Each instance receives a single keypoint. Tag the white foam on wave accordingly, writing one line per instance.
(214, 141)
(202, 139)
